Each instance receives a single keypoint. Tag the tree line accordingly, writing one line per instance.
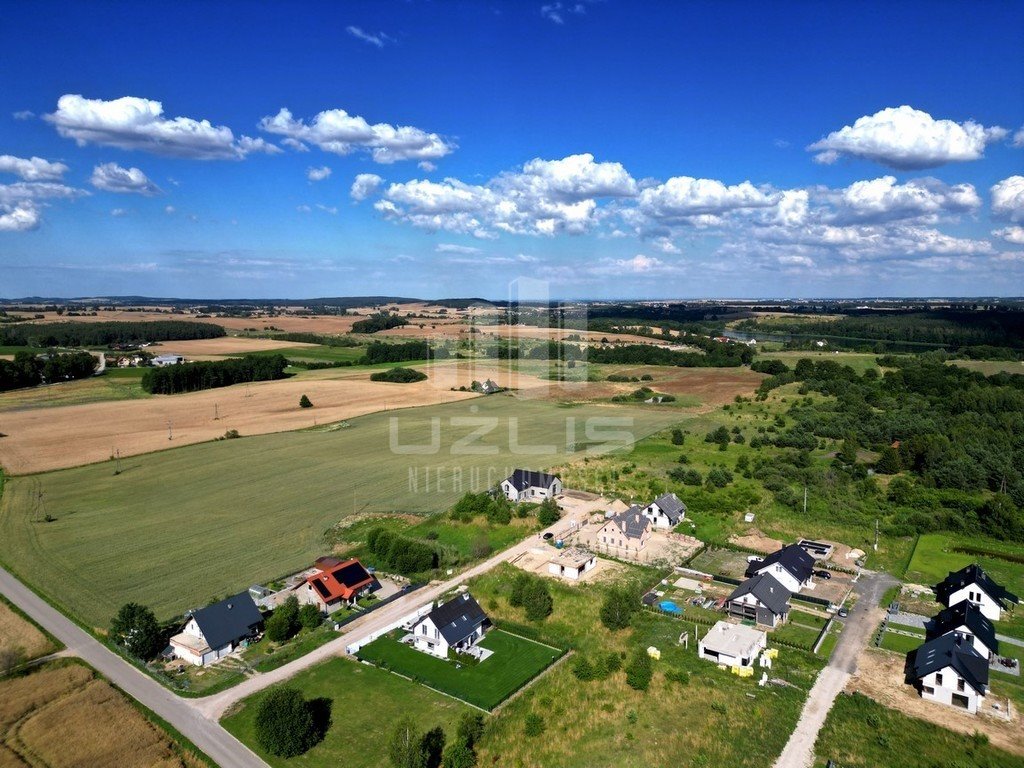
(72, 334)
(30, 370)
(192, 377)
(380, 321)
(716, 355)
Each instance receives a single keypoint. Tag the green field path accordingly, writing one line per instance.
(182, 526)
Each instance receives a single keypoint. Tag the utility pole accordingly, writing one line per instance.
(117, 461)
(805, 501)
(876, 534)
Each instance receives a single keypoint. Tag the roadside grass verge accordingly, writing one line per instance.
(514, 663)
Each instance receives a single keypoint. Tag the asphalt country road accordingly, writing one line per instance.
(855, 635)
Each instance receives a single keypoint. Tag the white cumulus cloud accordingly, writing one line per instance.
(111, 177)
(365, 185)
(683, 197)
(907, 139)
(33, 168)
(136, 123)
(318, 174)
(19, 218)
(883, 199)
(1008, 198)
(336, 131)
(1013, 235)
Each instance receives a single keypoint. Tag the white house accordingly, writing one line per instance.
(732, 644)
(760, 598)
(966, 620)
(211, 633)
(949, 671)
(791, 566)
(666, 511)
(973, 585)
(572, 563)
(162, 361)
(526, 485)
(457, 624)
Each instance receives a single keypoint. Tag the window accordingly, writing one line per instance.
(928, 689)
(938, 678)
(959, 685)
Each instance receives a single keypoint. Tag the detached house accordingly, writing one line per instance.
(967, 621)
(732, 644)
(973, 585)
(761, 598)
(458, 624)
(666, 511)
(526, 485)
(627, 531)
(791, 566)
(211, 633)
(950, 671)
(336, 584)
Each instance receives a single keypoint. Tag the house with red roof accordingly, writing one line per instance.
(336, 584)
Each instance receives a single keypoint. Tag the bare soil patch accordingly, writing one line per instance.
(755, 539)
(880, 676)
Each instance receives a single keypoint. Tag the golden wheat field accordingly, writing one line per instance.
(17, 632)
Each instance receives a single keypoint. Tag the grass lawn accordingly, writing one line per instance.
(210, 519)
(365, 704)
(892, 641)
(791, 633)
(515, 662)
(860, 733)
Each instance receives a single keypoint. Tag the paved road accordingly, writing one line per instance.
(206, 734)
(216, 705)
(855, 635)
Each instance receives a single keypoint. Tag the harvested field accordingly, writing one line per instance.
(197, 349)
(18, 632)
(879, 676)
(176, 528)
(64, 716)
(37, 441)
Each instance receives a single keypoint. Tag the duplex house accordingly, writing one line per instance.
(761, 598)
(336, 584)
(211, 633)
(950, 671)
(526, 485)
(966, 620)
(791, 566)
(458, 624)
(626, 532)
(666, 511)
(972, 584)
(732, 644)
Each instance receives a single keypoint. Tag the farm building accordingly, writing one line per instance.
(966, 620)
(791, 566)
(973, 585)
(571, 563)
(948, 670)
(211, 633)
(336, 584)
(732, 644)
(458, 624)
(162, 361)
(761, 598)
(526, 485)
(627, 531)
(666, 511)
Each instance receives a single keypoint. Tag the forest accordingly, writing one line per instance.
(716, 355)
(192, 377)
(380, 321)
(71, 334)
(30, 370)
(378, 352)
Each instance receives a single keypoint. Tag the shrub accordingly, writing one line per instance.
(305, 402)
(537, 600)
(287, 725)
(470, 729)
(458, 756)
(548, 513)
(719, 477)
(583, 669)
(399, 375)
(618, 608)
(310, 616)
(677, 437)
(284, 622)
(517, 597)
(534, 725)
(639, 671)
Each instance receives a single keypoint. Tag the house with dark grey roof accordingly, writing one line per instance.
(666, 511)
(527, 485)
(458, 624)
(761, 598)
(791, 566)
(626, 533)
(967, 620)
(950, 671)
(211, 633)
(973, 585)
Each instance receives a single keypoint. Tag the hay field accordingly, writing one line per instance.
(110, 386)
(37, 439)
(178, 527)
(64, 716)
(197, 349)
(18, 632)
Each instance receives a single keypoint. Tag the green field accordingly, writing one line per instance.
(860, 733)
(365, 704)
(181, 526)
(116, 384)
(859, 361)
(515, 662)
(991, 367)
(319, 353)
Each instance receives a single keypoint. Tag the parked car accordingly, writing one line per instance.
(823, 575)
(843, 613)
(548, 536)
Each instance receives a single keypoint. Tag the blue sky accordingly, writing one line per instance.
(614, 149)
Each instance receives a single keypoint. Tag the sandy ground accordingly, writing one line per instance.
(880, 676)
(227, 345)
(37, 439)
(755, 539)
(536, 561)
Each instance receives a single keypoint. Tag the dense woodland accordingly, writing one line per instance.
(716, 355)
(378, 352)
(29, 370)
(378, 322)
(191, 377)
(71, 334)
